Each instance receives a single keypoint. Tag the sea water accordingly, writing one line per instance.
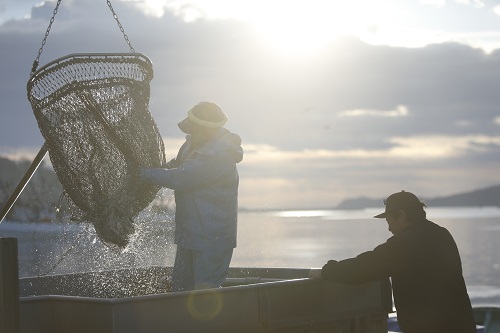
(285, 238)
(310, 238)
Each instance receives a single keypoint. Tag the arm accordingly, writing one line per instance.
(176, 162)
(192, 173)
(369, 266)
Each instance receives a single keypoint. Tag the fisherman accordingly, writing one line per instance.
(424, 265)
(205, 180)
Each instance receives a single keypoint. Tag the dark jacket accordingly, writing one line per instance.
(205, 182)
(426, 272)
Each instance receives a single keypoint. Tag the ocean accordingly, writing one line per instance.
(285, 238)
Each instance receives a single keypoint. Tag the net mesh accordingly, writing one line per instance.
(93, 111)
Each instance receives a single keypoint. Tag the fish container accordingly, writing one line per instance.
(251, 300)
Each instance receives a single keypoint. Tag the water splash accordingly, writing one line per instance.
(74, 250)
(41, 245)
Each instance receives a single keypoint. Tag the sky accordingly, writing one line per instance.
(332, 99)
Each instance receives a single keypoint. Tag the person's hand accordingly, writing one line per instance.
(172, 164)
(315, 273)
(133, 169)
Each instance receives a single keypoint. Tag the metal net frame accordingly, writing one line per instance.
(93, 111)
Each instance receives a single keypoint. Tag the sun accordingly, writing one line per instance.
(306, 27)
(295, 36)
(292, 27)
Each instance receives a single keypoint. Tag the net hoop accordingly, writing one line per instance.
(93, 111)
(132, 66)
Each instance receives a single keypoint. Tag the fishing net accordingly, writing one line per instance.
(93, 111)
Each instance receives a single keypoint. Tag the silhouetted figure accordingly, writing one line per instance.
(424, 265)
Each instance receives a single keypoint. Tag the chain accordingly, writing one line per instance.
(120, 26)
(37, 60)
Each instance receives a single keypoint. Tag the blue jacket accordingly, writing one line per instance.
(205, 183)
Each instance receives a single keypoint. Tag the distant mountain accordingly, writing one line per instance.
(479, 198)
(359, 203)
(484, 197)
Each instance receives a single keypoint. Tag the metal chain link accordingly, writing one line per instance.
(37, 60)
(120, 26)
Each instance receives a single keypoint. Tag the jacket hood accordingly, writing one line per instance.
(237, 151)
(224, 140)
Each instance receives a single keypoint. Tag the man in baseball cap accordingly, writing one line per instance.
(424, 265)
(406, 202)
(401, 200)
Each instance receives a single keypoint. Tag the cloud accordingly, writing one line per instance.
(402, 24)
(496, 10)
(399, 111)
(188, 11)
(475, 3)
(322, 178)
(438, 3)
(442, 3)
(353, 119)
(442, 147)
(18, 152)
(423, 147)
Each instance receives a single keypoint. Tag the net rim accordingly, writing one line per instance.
(67, 60)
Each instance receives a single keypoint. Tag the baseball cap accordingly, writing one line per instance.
(400, 200)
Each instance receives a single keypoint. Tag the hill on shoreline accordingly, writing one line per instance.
(489, 196)
(42, 194)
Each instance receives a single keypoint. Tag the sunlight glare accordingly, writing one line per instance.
(302, 28)
(294, 28)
